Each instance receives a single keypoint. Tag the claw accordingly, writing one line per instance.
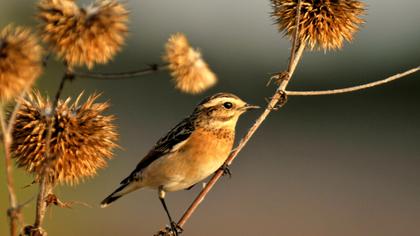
(282, 101)
(226, 170)
(278, 77)
(176, 229)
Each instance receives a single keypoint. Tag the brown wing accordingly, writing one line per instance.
(178, 134)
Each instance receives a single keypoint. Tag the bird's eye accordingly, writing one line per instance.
(228, 105)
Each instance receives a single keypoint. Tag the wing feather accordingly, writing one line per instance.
(180, 133)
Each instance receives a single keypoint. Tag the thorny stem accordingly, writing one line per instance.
(354, 88)
(295, 57)
(44, 186)
(14, 212)
(153, 68)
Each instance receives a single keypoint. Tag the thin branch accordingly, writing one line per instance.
(45, 187)
(294, 59)
(129, 74)
(14, 212)
(354, 88)
(68, 75)
(295, 41)
(12, 117)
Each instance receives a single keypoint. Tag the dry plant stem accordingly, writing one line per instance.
(7, 141)
(354, 88)
(129, 74)
(296, 54)
(45, 188)
(41, 205)
(14, 212)
(12, 118)
(295, 42)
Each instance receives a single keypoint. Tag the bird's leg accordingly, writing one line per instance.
(226, 170)
(174, 225)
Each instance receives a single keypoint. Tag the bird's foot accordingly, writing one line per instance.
(173, 230)
(226, 170)
(176, 229)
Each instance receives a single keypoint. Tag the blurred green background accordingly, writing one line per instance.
(322, 166)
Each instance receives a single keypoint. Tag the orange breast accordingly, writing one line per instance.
(206, 150)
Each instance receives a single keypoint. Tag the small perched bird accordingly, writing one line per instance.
(194, 149)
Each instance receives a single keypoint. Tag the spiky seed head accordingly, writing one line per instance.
(83, 36)
(20, 61)
(190, 72)
(324, 24)
(82, 140)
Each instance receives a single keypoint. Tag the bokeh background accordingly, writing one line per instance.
(322, 166)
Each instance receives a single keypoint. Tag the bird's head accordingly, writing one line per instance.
(221, 110)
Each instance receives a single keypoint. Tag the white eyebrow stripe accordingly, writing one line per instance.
(216, 101)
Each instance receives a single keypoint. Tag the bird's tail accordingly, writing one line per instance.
(119, 192)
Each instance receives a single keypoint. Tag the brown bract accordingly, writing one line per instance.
(83, 138)
(323, 24)
(190, 72)
(83, 36)
(20, 61)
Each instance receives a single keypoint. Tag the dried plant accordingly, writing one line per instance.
(324, 24)
(190, 72)
(83, 138)
(83, 36)
(20, 61)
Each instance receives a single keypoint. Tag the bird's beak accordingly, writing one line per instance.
(250, 107)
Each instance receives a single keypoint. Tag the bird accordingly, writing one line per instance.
(190, 152)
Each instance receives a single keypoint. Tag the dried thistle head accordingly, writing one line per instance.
(83, 36)
(190, 72)
(20, 61)
(82, 140)
(323, 23)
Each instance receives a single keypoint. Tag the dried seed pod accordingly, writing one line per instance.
(83, 36)
(323, 24)
(82, 140)
(190, 72)
(20, 61)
